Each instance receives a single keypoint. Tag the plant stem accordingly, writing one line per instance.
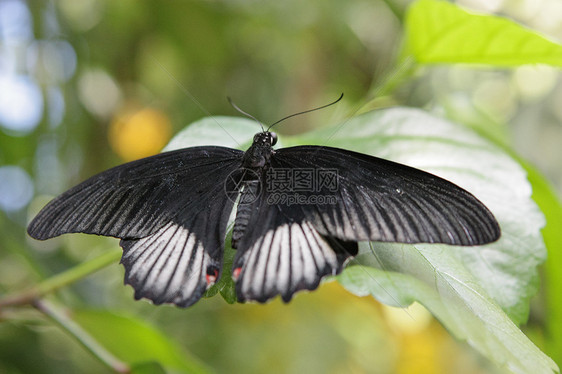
(61, 280)
(61, 317)
(377, 96)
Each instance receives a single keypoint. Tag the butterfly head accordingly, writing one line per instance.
(265, 138)
(258, 155)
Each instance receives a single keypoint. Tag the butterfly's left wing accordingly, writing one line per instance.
(170, 210)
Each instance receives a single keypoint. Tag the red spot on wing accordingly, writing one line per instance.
(212, 278)
(236, 273)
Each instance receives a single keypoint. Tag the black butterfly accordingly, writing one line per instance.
(171, 212)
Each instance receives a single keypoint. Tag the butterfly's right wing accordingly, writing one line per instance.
(381, 200)
(291, 243)
(170, 210)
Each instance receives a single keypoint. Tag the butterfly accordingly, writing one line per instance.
(300, 213)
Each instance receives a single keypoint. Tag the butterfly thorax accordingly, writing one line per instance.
(259, 153)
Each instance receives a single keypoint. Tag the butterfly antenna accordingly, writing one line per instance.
(306, 111)
(244, 113)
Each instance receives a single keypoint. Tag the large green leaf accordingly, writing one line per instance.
(506, 269)
(441, 32)
(478, 293)
(452, 295)
(135, 342)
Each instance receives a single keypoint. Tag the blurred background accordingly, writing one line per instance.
(86, 85)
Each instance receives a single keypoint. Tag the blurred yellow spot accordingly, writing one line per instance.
(138, 134)
(411, 320)
(422, 352)
(424, 346)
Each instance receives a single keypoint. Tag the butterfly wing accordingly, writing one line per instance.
(380, 200)
(291, 245)
(282, 252)
(170, 210)
(135, 199)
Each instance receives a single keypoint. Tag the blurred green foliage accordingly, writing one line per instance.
(95, 64)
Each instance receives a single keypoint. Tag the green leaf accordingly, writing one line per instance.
(549, 203)
(230, 132)
(441, 32)
(225, 285)
(507, 268)
(148, 368)
(452, 295)
(477, 292)
(136, 342)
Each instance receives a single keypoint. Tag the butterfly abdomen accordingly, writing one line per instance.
(249, 193)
